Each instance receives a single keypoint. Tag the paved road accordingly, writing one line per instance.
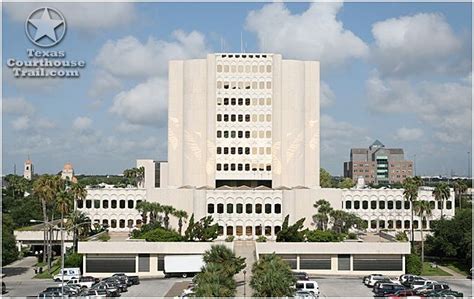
(245, 249)
(20, 270)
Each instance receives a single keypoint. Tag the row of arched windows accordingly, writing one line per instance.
(257, 230)
(390, 205)
(104, 204)
(239, 208)
(395, 224)
(120, 223)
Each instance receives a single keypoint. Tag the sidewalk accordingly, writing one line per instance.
(20, 270)
(455, 275)
(245, 249)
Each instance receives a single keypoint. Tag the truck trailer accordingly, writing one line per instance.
(182, 265)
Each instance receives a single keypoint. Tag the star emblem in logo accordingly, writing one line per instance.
(49, 24)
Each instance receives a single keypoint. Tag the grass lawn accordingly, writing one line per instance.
(54, 270)
(430, 271)
(456, 266)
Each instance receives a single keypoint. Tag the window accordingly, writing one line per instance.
(268, 230)
(449, 205)
(277, 208)
(390, 204)
(240, 134)
(258, 230)
(230, 208)
(382, 224)
(432, 205)
(415, 224)
(407, 205)
(348, 204)
(398, 224)
(390, 224)
(130, 204)
(247, 134)
(226, 150)
(373, 205)
(105, 204)
(122, 204)
(230, 230)
(219, 150)
(258, 208)
(96, 204)
(232, 117)
(219, 117)
(373, 224)
(105, 222)
(240, 150)
(248, 230)
(381, 204)
(240, 208)
(248, 208)
(220, 208)
(80, 204)
(440, 205)
(407, 224)
(122, 223)
(232, 134)
(226, 117)
(113, 223)
(232, 150)
(220, 230)
(219, 134)
(210, 208)
(398, 205)
(130, 223)
(268, 208)
(365, 205)
(277, 229)
(88, 204)
(238, 230)
(232, 166)
(356, 205)
(218, 167)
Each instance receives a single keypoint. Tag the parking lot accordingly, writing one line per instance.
(171, 287)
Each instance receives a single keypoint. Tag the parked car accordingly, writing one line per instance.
(77, 282)
(110, 288)
(420, 283)
(122, 277)
(94, 294)
(134, 279)
(300, 275)
(305, 294)
(50, 295)
(384, 280)
(432, 287)
(92, 279)
(387, 288)
(407, 279)
(373, 279)
(307, 285)
(69, 273)
(121, 285)
(409, 294)
(444, 294)
(70, 291)
(366, 278)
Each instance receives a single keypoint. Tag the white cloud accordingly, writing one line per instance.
(446, 107)
(315, 34)
(414, 44)
(21, 123)
(17, 106)
(44, 123)
(86, 16)
(145, 104)
(408, 134)
(82, 123)
(130, 58)
(125, 127)
(103, 85)
(327, 95)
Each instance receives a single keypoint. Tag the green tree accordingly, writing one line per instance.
(291, 233)
(325, 179)
(413, 264)
(161, 235)
(222, 255)
(343, 221)
(441, 193)
(459, 189)
(272, 277)
(143, 208)
(322, 217)
(135, 176)
(401, 237)
(410, 193)
(346, 183)
(203, 230)
(80, 225)
(9, 249)
(211, 283)
(182, 216)
(423, 210)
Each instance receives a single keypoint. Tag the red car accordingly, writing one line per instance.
(403, 294)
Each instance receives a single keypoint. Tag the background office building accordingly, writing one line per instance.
(378, 165)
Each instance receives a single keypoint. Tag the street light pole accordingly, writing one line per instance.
(245, 283)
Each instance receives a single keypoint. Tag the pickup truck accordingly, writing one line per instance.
(80, 282)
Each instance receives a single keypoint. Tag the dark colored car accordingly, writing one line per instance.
(123, 278)
(110, 288)
(120, 284)
(444, 294)
(401, 294)
(383, 280)
(300, 275)
(387, 288)
(49, 295)
(89, 279)
(134, 279)
(366, 278)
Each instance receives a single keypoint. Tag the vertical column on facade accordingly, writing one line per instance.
(297, 262)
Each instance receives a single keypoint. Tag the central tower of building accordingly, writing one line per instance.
(243, 120)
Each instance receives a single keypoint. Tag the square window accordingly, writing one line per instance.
(232, 167)
(269, 101)
(219, 134)
(218, 167)
(240, 134)
(247, 167)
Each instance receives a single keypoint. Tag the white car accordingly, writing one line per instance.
(308, 286)
(373, 280)
(68, 274)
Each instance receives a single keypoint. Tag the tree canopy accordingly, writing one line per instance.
(272, 277)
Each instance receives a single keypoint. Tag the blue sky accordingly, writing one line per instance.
(396, 72)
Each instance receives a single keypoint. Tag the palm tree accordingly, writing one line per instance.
(167, 210)
(78, 192)
(140, 176)
(222, 255)
(180, 214)
(272, 277)
(155, 208)
(410, 193)
(143, 207)
(74, 219)
(459, 189)
(422, 210)
(322, 217)
(44, 190)
(130, 174)
(441, 193)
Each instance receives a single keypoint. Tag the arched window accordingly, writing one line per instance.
(105, 204)
(406, 205)
(80, 204)
(277, 229)
(220, 230)
(248, 208)
(365, 205)
(390, 224)
(240, 208)
(96, 204)
(88, 204)
(398, 205)
(382, 205)
(122, 223)
(373, 204)
(130, 204)
(415, 224)
(268, 208)
(449, 205)
(210, 208)
(268, 230)
(398, 224)
(220, 208)
(390, 204)
(113, 223)
(122, 204)
(105, 222)
(348, 204)
(230, 208)
(373, 224)
(407, 224)
(230, 230)
(248, 230)
(130, 223)
(238, 230)
(258, 208)
(381, 224)
(114, 204)
(356, 205)
(432, 204)
(277, 208)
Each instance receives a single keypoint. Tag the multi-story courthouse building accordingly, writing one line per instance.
(378, 165)
(243, 147)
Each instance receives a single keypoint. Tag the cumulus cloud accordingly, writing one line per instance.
(21, 123)
(86, 16)
(327, 95)
(144, 104)
(103, 85)
(130, 58)
(17, 106)
(82, 123)
(415, 44)
(315, 34)
(445, 106)
(408, 134)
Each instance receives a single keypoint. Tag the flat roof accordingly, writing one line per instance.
(134, 247)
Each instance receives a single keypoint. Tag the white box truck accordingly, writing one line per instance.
(69, 273)
(183, 265)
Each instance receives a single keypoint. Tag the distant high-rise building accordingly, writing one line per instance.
(378, 164)
(28, 169)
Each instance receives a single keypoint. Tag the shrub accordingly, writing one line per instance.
(104, 237)
(413, 264)
(401, 237)
(73, 260)
(261, 239)
(324, 236)
(352, 236)
(162, 235)
(229, 239)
